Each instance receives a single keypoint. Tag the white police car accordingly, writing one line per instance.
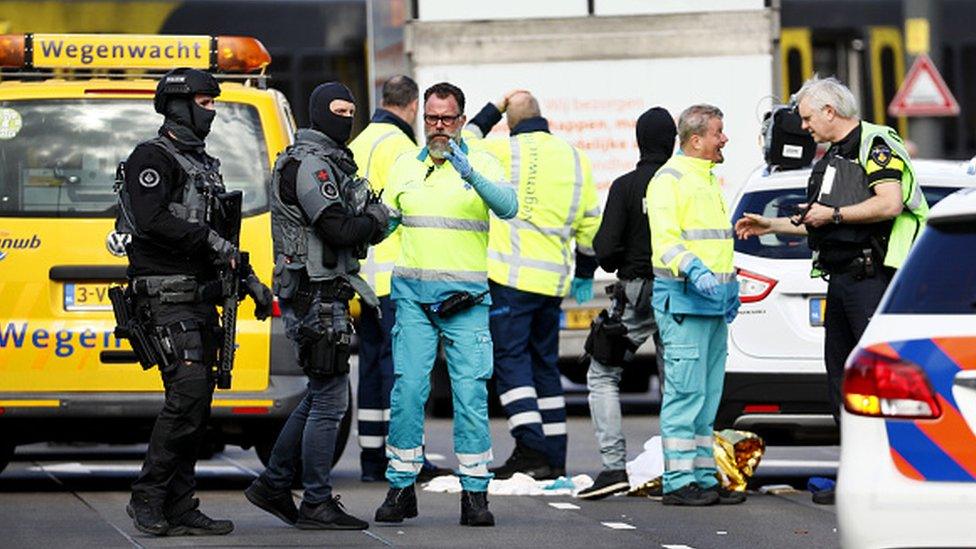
(775, 376)
(907, 473)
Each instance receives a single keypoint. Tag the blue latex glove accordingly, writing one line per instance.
(582, 289)
(707, 284)
(730, 315)
(459, 160)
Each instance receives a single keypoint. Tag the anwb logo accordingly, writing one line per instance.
(10, 243)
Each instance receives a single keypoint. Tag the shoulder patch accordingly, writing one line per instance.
(881, 154)
(322, 175)
(149, 178)
(329, 189)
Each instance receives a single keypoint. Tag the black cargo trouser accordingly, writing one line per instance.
(851, 302)
(167, 478)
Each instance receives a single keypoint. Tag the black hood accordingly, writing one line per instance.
(655, 135)
(339, 128)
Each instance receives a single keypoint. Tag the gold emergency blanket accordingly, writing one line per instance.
(737, 454)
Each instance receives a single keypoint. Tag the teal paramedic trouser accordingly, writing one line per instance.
(467, 344)
(694, 371)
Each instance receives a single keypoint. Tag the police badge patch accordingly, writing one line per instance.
(149, 178)
(881, 155)
(330, 191)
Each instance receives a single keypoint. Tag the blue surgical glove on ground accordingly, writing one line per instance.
(707, 284)
(582, 289)
(459, 160)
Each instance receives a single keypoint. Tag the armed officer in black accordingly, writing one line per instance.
(170, 204)
(323, 218)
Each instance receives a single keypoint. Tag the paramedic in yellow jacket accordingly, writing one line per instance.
(534, 261)
(440, 196)
(695, 296)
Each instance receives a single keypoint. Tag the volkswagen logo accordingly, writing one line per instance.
(116, 243)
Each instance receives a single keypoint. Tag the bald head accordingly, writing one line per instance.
(521, 106)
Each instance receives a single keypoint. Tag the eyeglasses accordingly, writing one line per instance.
(447, 119)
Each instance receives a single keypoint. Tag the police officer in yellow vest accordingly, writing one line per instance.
(441, 196)
(388, 135)
(865, 211)
(531, 269)
(695, 296)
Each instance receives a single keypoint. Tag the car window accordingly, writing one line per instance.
(58, 157)
(775, 203)
(928, 283)
(782, 203)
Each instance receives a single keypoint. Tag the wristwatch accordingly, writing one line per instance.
(837, 217)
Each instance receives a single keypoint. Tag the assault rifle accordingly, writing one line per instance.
(230, 280)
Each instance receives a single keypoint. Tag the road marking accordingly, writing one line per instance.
(796, 463)
(677, 547)
(79, 468)
(564, 506)
(619, 525)
(435, 457)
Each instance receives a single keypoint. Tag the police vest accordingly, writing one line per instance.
(558, 204)
(375, 149)
(196, 202)
(297, 245)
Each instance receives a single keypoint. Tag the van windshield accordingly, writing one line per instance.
(58, 157)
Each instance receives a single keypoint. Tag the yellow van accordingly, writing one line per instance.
(71, 108)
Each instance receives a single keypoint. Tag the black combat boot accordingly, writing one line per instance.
(690, 495)
(278, 503)
(147, 517)
(195, 523)
(328, 515)
(400, 503)
(474, 509)
(726, 496)
(526, 461)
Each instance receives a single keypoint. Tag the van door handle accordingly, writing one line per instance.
(81, 273)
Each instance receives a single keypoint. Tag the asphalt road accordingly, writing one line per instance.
(74, 496)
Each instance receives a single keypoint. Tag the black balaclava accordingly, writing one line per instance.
(186, 121)
(655, 135)
(339, 128)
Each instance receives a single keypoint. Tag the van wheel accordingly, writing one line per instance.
(6, 454)
(265, 444)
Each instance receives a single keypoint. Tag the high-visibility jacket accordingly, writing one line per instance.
(690, 232)
(375, 149)
(443, 224)
(558, 204)
(909, 223)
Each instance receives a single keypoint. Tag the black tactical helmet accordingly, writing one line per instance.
(184, 82)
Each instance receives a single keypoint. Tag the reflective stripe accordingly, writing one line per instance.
(592, 212)
(704, 441)
(552, 403)
(673, 252)
(369, 158)
(371, 441)
(666, 274)
(686, 262)
(915, 201)
(517, 393)
(473, 128)
(480, 470)
(574, 207)
(406, 466)
(438, 275)
(517, 262)
(703, 462)
(585, 250)
(554, 429)
(515, 224)
(436, 222)
(560, 232)
(678, 444)
(405, 454)
(671, 464)
(524, 418)
(471, 459)
(667, 170)
(706, 234)
(375, 414)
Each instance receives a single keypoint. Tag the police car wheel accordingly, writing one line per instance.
(265, 444)
(6, 454)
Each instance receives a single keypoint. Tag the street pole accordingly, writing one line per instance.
(926, 132)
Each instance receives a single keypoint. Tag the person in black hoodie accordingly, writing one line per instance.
(623, 244)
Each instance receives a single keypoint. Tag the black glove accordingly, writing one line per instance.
(381, 217)
(261, 294)
(224, 251)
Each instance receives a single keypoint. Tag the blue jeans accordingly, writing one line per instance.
(309, 435)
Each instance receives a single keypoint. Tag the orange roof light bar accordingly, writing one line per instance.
(241, 54)
(225, 54)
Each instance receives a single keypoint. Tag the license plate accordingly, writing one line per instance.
(818, 308)
(86, 297)
(578, 319)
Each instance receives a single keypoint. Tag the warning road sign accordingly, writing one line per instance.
(923, 93)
